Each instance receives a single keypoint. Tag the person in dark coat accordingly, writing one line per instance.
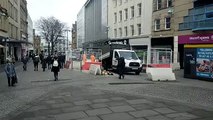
(44, 63)
(60, 59)
(24, 61)
(121, 67)
(49, 61)
(55, 67)
(36, 61)
(10, 72)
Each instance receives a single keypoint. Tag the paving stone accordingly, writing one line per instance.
(62, 105)
(100, 100)
(158, 105)
(100, 111)
(158, 117)
(122, 108)
(99, 105)
(76, 108)
(181, 116)
(117, 116)
(202, 113)
(181, 108)
(84, 102)
(35, 108)
(69, 116)
(140, 119)
(48, 112)
(143, 113)
(90, 118)
(164, 110)
(138, 101)
(50, 101)
(117, 103)
(142, 106)
(117, 98)
(56, 97)
(40, 118)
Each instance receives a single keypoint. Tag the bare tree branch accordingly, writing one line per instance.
(50, 29)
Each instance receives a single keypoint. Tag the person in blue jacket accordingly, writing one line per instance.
(10, 72)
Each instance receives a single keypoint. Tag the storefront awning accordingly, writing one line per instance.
(19, 41)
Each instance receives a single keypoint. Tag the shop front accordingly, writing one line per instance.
(197, 56)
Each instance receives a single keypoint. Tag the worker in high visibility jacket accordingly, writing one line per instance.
(84, 57)
(92, 57)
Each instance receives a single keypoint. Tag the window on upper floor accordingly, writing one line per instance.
(169, 3)
(126, 30)
(115, 17)
(115, 3)
(159, 4)
(167, 23)
(132, 12)
(120, 31)
(120, 2)
(132, 30)
(157, 24)
(115, 33)
(139, 29)
(139, 9)
(120, 13)
(126, 13)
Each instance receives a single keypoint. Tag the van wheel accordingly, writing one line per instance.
(137, 73)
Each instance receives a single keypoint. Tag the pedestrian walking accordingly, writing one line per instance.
(24, 61)
(121, 67)
(44, 63)
(10, 72)
(49, 61)
(60, 59)
(55, 67)
(36, 61)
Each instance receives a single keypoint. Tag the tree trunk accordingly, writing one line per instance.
(48, 48)
(52, 51)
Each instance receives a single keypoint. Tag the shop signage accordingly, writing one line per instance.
(203, 38)
(204, 66)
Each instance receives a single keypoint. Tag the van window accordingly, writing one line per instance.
(116, 55)
(128, 55)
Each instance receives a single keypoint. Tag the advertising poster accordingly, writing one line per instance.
(204, 66)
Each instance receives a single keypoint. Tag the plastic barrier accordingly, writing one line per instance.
(160, 74)
(86, 66)
(95, 69)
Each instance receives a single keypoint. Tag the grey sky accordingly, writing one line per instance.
(64, 10)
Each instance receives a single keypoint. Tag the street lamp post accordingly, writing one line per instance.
(5, 41)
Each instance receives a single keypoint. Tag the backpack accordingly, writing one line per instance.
(55, 63)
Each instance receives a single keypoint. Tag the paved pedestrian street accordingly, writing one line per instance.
(89, 104)
(81, 96)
